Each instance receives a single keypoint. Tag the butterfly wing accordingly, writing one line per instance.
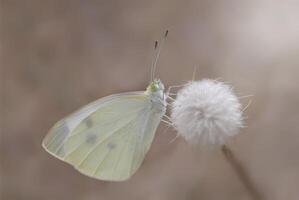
(107, 139)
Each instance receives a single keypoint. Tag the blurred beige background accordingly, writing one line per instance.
(57, 55)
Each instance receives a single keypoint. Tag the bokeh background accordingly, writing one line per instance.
(58, 55)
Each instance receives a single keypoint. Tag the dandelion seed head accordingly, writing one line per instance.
(206, 112)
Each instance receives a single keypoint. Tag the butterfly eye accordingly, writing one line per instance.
(154, 87)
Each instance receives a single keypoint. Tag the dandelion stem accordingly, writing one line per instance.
(241, 172)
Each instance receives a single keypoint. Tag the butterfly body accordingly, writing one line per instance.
(109, 138)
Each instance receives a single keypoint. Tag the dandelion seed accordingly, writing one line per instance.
(206, 112)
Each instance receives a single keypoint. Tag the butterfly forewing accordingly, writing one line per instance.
(56, 137)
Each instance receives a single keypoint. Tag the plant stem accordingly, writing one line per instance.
(241, 172)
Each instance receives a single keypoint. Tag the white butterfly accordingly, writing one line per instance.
(109, 138)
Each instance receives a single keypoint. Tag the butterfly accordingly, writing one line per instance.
(109, 138)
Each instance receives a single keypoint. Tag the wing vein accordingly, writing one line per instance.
(70, 136)
(121, 153)
(99, 164)
(95, 146)
(59, 127)
(67, 138)
(136, 144)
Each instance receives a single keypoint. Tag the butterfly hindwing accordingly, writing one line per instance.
(107, 139)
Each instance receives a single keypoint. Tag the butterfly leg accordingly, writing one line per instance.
(174, 86)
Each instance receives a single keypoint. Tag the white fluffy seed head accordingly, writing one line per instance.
(206, 112)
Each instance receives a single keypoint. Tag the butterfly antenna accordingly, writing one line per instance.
(153, 62)
(157, 48)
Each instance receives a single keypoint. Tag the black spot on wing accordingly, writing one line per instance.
(111, 145)
(91, 138)
(88, 122)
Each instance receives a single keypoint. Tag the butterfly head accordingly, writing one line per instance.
(156, 88)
